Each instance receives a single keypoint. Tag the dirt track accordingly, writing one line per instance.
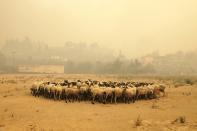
(20, 111)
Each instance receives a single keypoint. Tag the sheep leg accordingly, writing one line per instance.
(137, 97)
(65, 98)
(54, 96)
(73, 98)
(36, 93)
(133, 99)
(79, 98)
(111, 99)
(93, 97)
(102, 99)
(146, 96)
(59, 96)
(51, 95)
(69, 98)
(76, 98)
(115, 99)
(44, 93)
(32, 92)
(125, 99)
(105, 99)
(129, 98)
(47, 94)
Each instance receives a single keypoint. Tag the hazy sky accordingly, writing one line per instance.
(136, 27)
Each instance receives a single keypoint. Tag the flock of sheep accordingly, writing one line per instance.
(95, 91)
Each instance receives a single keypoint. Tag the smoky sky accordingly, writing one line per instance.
(136, 27)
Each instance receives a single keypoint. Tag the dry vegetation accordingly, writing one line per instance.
(21, 111)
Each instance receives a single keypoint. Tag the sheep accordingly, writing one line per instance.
(83, 91)
(150, 92)
(129, 93)
(52, 91)
(108, 92)
(73, 93)
(64, 83)
(117, 93)
(58, 91)
(42, 86)
(35, 89)
(70, 92)
(47, 90)
(78, 83)
(97, 92)
(162, 88)
(65, 92)
(142, 91)
(158, 88)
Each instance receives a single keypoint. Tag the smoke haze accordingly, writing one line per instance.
(134, 27)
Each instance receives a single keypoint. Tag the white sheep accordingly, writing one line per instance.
(129, 93)
(97, 92)
(117, 93)
(109, 91)
(142, 91)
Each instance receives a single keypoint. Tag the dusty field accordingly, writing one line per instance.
(19, 111)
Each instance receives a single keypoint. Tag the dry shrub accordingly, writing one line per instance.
(189, 81)
(138, 121)
(180, 119)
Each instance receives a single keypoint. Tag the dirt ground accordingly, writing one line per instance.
(19, 111)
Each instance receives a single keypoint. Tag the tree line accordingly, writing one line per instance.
(84, 58)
